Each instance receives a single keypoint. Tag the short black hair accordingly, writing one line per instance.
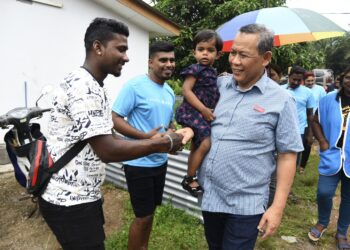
(207, 35)
(276, 68)
(297, 70)
(341, 78)
(103, 29)
(160, 46)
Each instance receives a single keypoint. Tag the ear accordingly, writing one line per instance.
(267, 58)
(98, 47)
(150, 62)
(218, 55)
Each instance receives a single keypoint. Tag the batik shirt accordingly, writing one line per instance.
(81, 110)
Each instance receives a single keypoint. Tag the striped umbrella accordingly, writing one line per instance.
(289, 25)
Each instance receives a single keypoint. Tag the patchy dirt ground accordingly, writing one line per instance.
(18, 232)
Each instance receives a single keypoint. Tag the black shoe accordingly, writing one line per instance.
(194, 191)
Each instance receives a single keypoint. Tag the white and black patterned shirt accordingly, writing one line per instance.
(81, 110)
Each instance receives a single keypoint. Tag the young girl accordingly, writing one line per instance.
(201, 95)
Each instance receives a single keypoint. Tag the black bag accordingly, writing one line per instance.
(42, 166)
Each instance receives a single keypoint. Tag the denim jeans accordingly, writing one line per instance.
(306, 153)
(327, 186)
(230, 232)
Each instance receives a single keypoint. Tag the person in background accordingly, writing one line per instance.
(201, 95)
(275, 72)
(331, 129)
(330, 86)
(71, 204)
(318, 92)
(305, 104)
(337, 82)
(254, 118)
(147, 102)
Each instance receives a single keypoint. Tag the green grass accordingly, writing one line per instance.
(174, 229)
(301, 214)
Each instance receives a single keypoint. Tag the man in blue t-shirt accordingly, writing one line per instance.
(318, 92)
(305, 104)
(147, 102)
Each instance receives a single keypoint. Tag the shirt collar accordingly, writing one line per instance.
(260, 84)
(100, 83)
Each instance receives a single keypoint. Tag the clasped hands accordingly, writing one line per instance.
(179, 137)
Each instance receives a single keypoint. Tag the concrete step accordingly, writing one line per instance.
(6, 168)
(4, 158)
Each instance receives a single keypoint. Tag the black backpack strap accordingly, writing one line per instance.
(68, 156)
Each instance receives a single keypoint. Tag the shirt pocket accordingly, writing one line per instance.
(251, 126)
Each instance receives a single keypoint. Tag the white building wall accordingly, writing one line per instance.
(40, 44)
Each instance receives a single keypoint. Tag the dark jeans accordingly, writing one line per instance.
(299, 155)
(230, 232)
(305, 155)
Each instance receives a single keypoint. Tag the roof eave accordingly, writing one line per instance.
(145, 16)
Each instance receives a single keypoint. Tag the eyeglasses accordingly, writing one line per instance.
(241, 56)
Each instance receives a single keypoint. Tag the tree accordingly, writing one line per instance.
(338, 54)
(196, 15)
(307, 55)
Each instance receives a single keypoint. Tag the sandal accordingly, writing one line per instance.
(315, 234)
(186, 184)
(342, 242)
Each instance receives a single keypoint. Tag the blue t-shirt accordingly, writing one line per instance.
(146, 105)
(304, 100)
(318, 92)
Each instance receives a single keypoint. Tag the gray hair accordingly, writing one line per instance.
(265, 36)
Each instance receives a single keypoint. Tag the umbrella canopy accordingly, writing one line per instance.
(289, 25)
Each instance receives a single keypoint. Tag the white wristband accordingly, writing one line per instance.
(171, 142)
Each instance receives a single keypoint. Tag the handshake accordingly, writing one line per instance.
(175, 140)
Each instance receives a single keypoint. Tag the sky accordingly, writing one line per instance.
(326, 7)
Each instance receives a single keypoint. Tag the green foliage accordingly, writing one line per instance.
(338, 54)
(307, 55)
(196, 15)
(176, 85)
